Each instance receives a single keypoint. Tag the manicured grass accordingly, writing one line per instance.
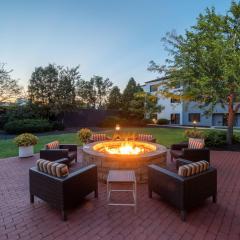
(164, 136)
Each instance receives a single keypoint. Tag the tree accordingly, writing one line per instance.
(66, 90)
(144, 105)
(43, 85)
(115, 99)
(94, 93)
(128, 94)
(54, 87)
(9, 88)
(205, 61)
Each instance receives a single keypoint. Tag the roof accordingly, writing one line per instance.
(156, 80)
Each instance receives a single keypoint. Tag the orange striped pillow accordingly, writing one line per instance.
(99, 137)
(53, 145)
(195, 143)
(145, 137)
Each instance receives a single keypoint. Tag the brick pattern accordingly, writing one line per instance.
(155, 219)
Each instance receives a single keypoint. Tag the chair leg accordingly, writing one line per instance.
(31, 198)
(149, 193)
(64, 215)
(214, 198)
(96, 193)
(183, 215)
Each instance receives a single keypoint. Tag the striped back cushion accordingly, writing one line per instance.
(145, 137)
(52, 168)
(196, 143)
(99, 137)
(193, 168)
(52, 145)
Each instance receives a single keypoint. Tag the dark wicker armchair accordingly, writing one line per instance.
(68, 151)
(182, 192)
(65, 192)
(181, 150)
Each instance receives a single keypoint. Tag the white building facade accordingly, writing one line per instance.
(184, 113)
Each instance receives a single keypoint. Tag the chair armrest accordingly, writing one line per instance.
(181, 162)
(196, 154)
(81, 170)
(164, 171)
(167, 184)
(53, 154)
(179, 146)
(80, 183)
(70, 147)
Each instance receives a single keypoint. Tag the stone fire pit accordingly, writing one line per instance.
(107, 156)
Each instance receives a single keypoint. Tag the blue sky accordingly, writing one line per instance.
(110, 38)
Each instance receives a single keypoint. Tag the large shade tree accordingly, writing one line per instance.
(9, 88)
(94, 93)
(205, 61)
(54, 87)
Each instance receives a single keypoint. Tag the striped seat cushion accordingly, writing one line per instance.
(53, 145)
(193, 168)
(99, 137)
(52, 168)
(196, 143)
(145, 137)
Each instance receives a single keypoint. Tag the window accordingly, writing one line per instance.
(175, 118)
(174, 100)
(194, 117)
(153, 88)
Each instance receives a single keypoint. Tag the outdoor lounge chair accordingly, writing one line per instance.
(181, 150)
(54, 151)
(96, 137)
(146, 138)
(63, 192)
(182, 192)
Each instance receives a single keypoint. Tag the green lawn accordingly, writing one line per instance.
(164, 136)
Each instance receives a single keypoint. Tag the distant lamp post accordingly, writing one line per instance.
(117, 128)
(117, 134)
(194, 124)
(154, 120)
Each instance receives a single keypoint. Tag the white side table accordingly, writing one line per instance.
(122, 176)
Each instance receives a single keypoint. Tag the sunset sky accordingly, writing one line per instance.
(114, 39)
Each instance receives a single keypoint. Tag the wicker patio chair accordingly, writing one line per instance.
(63, 192)
(182, 192)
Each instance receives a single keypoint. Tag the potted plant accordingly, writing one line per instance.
(25, 142)
(84, 135)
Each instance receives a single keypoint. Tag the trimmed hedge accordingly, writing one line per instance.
(163, 121)
(218, 138)
(28, 125)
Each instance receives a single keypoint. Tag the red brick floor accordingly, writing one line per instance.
(92, 220)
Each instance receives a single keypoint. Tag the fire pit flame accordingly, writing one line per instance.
(124, 148)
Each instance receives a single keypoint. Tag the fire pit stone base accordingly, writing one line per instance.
(138, 163)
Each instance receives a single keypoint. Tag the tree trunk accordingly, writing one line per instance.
(231, 114)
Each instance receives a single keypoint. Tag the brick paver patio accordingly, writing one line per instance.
(92, 220)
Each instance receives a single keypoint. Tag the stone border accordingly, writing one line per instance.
(138, 163)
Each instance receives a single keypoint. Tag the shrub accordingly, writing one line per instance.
(163, 121)
(25, 140)
(84, 134)
(57, 125)
(193, 133)
(28, 125)
(215, 138)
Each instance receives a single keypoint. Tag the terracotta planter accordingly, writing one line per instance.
(25, 151)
